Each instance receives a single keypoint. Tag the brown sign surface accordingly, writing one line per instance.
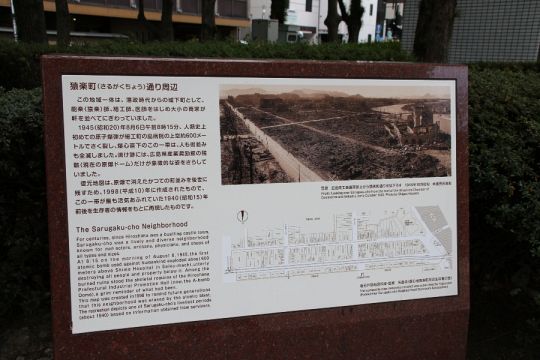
(257, 209)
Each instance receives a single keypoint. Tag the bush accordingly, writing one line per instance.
(21, 67)
(504, 123)
(504, 115)
(23, 223)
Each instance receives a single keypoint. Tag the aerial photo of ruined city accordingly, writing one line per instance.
(279, 134)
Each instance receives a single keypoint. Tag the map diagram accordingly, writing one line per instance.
(412, 237)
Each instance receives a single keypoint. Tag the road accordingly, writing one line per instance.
(392, 109)
(326, 133)
(293, 167)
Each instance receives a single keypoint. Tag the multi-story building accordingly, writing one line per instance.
(369, 21)
(306, 19)
(302, 18)
(390, 23)
(118, 18)
(305, 15)
(102, 18)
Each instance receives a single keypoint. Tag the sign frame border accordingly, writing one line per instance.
(420, 328)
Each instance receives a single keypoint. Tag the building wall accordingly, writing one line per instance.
(486, 30)
(322, 15)
(297, 14)
(369, 21)
(259, 9)
(105, 16)
(314, 19)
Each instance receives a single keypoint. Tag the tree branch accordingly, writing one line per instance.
(344, 15)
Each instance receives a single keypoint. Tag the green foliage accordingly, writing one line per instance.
(23, 222)
(20, 64)
(504, 115)
(21, 69)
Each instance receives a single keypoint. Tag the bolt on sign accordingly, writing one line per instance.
(256, 209)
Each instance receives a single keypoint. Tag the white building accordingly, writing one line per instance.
(369, 21)
(309, 15)
(305, 14)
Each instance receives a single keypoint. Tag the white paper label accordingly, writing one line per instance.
(195, 198)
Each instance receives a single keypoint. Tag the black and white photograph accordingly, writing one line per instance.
(288, 133)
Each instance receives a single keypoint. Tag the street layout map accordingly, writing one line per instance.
(414, 237)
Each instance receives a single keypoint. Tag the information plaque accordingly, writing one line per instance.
(194, 192)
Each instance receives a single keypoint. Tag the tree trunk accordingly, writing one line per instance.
(140, 15)
(434, 30)
(354, 33)
(63, 23)
(208, 15)
(30, 20)
(278, 10)
(143, 23)
(167, 30)
(332, 21)
(353, 18)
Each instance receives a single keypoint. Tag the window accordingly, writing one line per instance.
(309, 5)
(232, 8)
(190, 6)
(370, 9)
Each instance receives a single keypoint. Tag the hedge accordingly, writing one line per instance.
(21, 69)
(504, 118)
(23, 221)
(504, 127)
